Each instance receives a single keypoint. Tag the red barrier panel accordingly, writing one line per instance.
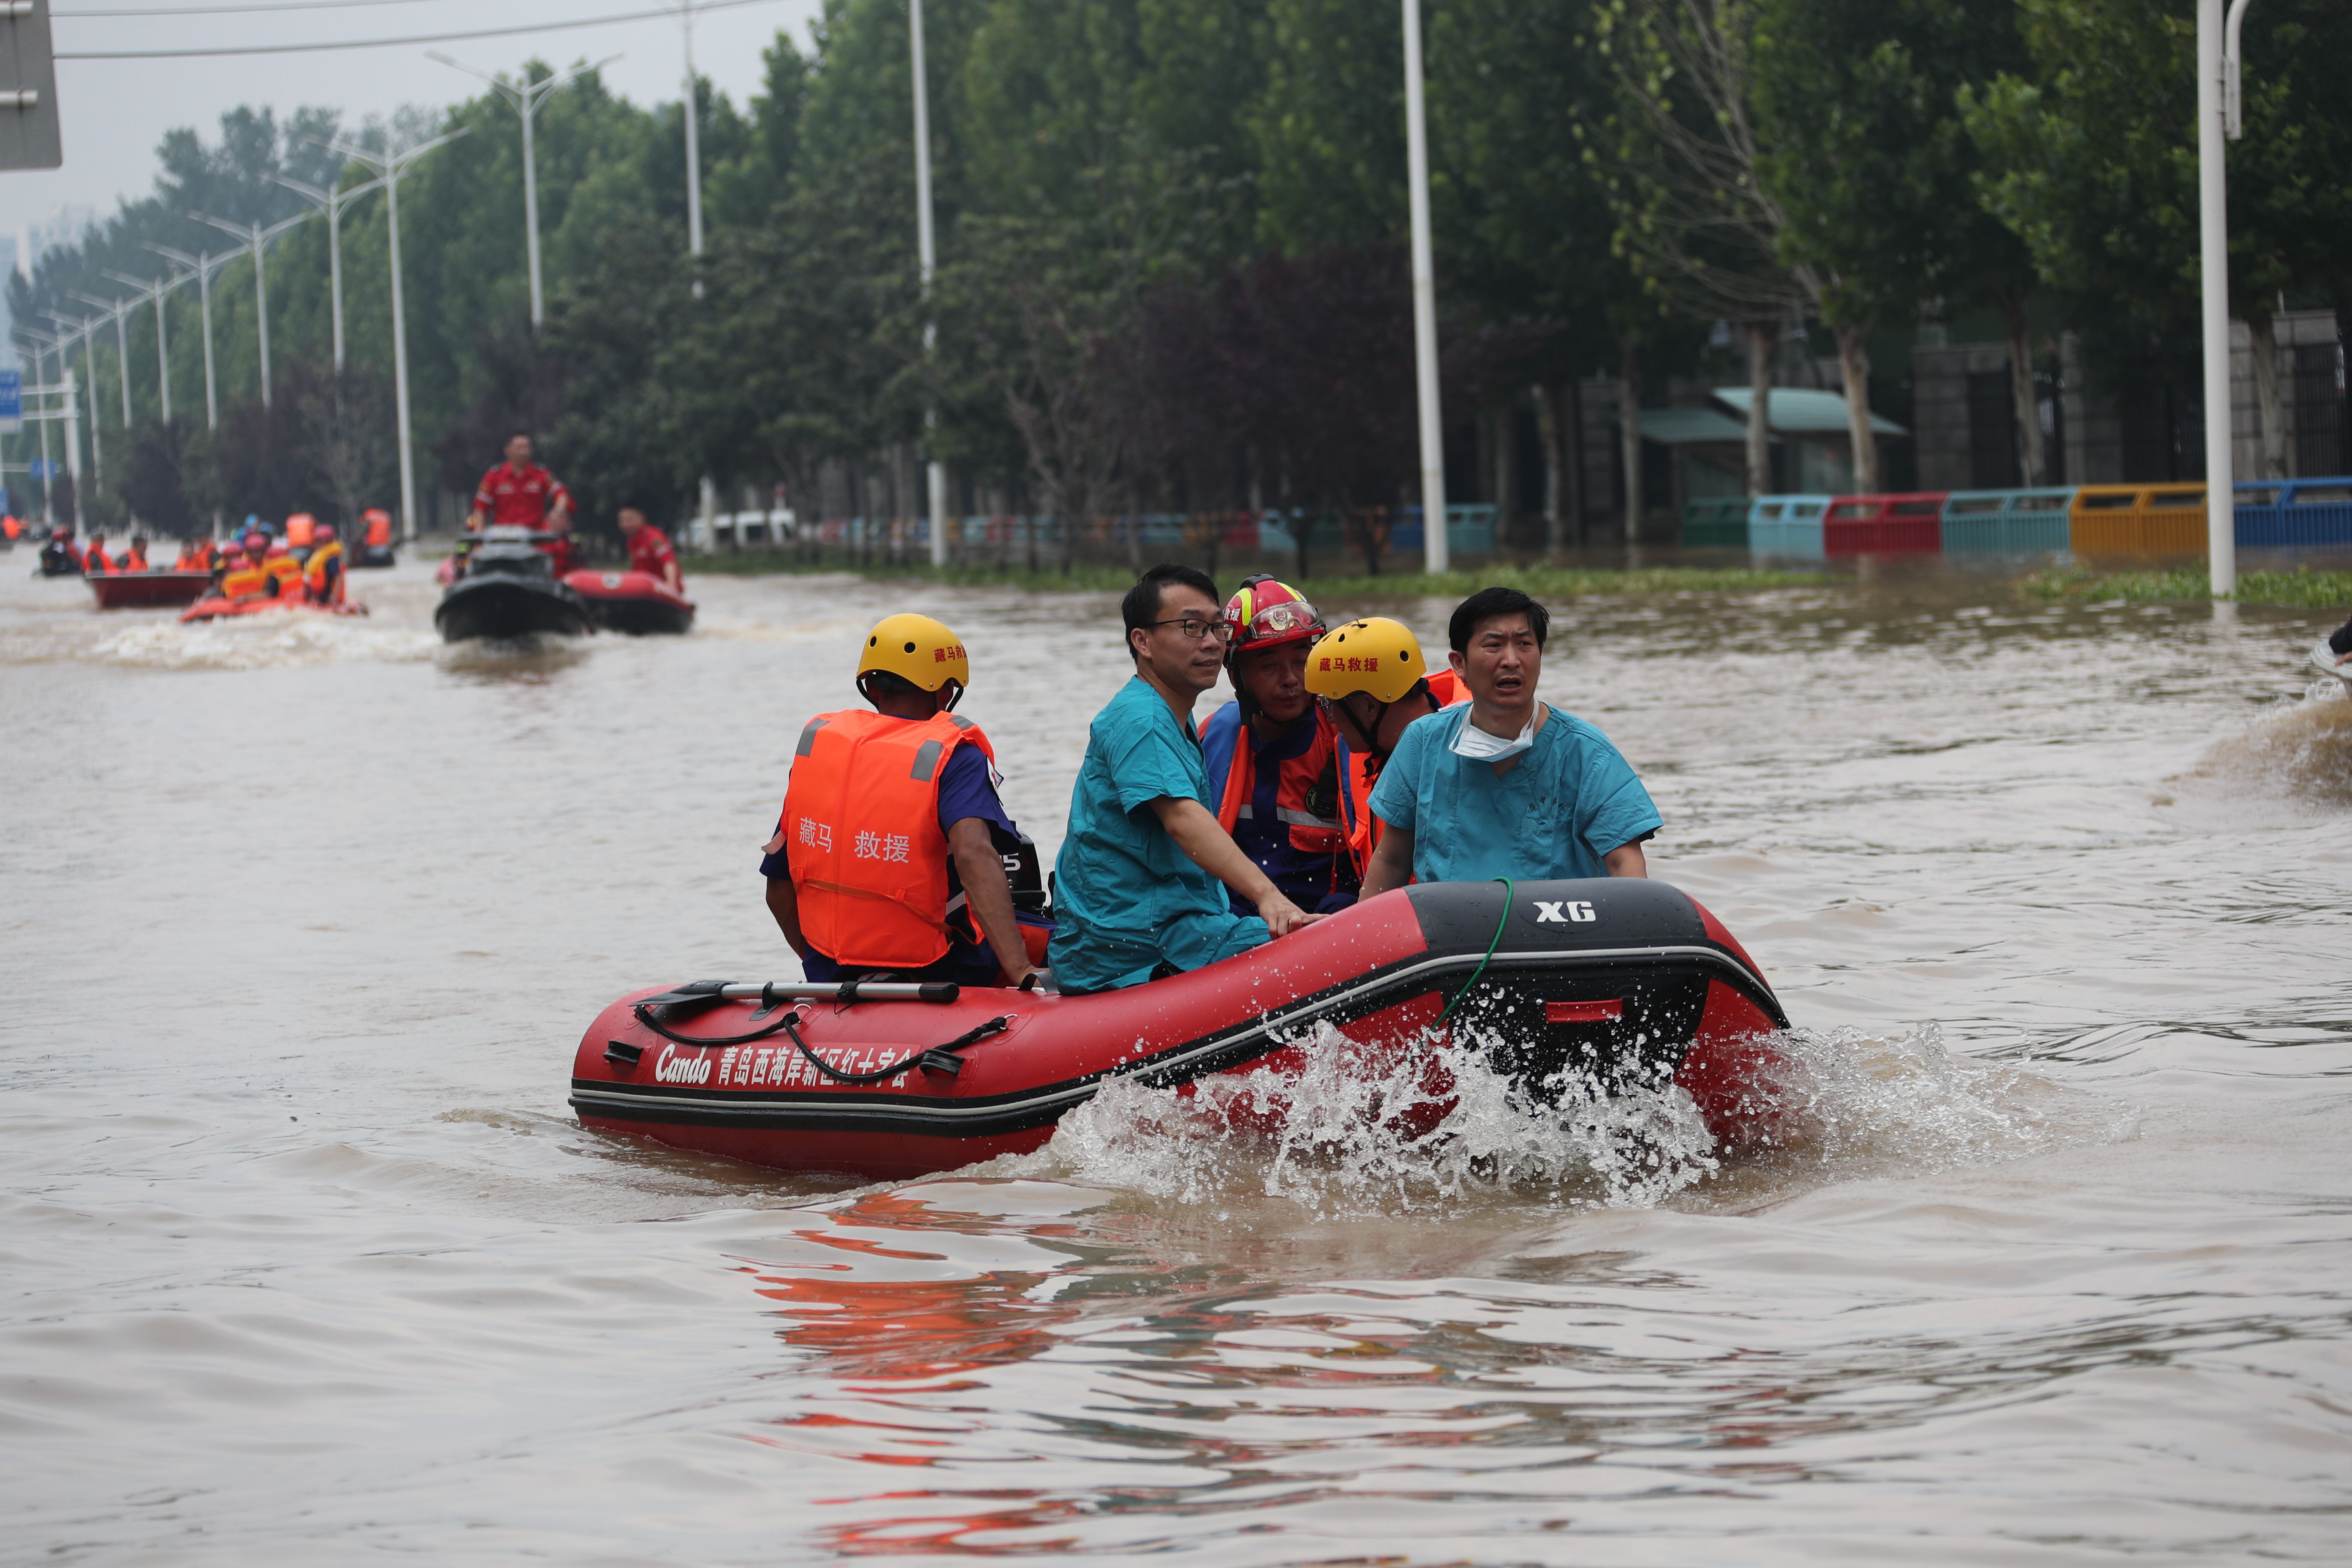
(1908, 524)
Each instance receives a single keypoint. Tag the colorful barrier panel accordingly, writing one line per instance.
(2289, 514)
(1787, 525)
(2006, 522)
(2139, 519)
(1716, 522)
(1910, 524)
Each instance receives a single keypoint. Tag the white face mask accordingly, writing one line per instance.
(1481, 747)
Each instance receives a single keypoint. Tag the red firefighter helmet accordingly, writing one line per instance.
(1267, 612)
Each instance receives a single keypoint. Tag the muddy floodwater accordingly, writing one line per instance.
(304, 1260)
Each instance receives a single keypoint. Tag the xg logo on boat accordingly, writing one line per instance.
(1548, 913)
(671, 1068)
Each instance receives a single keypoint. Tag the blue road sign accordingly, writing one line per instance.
(44, 468)
(12, 402)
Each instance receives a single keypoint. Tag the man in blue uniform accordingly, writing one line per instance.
(1141, 884)
(1505, 786)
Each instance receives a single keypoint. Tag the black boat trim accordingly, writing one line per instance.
(1176, 1065)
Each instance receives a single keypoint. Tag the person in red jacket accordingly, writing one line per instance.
(519, 493)
(649, 550)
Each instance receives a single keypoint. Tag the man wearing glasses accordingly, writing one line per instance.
(1139, 885)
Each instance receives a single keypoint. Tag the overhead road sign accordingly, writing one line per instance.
(28, 88)
(12, 402)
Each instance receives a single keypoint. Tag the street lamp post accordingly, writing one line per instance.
(692, 110)
(156, 288)
(256, 240)
(115, 309)
(927, 248)
(1433, 542)
(86, 330)
(526, 96)
(334, 200)
(389, 168)
(203, 267)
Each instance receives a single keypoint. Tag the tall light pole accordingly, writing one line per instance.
(333, 200)
(526, 96)
(2219, 120)
(156, 288)
(48, 512)
(86, 330)
(927, 251)
(257, 239)
(203, 267)
(1433, 556)
(389, 168)
(116, 310)
(692, 108)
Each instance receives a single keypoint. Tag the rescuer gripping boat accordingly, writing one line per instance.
(508, 590)
(1618, 981)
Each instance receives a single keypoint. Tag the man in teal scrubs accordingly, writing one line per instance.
(1505, 786)
(1139, 885)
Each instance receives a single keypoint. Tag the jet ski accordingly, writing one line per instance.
(508, 590)
(636, 602)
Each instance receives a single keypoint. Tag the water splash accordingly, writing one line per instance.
(1437, 1129)
(264, 642)
(2302, 749)
(1429, 1128)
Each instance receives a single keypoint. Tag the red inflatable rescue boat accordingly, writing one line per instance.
(1620, 982)
(148, 590)
(636, 602)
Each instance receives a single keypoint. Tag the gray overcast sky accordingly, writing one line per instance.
(114, 112)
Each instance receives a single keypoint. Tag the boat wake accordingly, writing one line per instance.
(1349, 1141)
(264, 642)
(2302, 749)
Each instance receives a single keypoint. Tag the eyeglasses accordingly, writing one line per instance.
(1192, 629)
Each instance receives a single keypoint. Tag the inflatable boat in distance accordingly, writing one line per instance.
(1620, 982)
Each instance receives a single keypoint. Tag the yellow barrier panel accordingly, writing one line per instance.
(2139, 519)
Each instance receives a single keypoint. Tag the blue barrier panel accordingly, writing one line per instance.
(1787, 525)
(1469, 531)
(2006, 522)
(2288, 514)
(1716, 522)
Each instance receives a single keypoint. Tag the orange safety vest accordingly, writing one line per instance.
(1359, 771)
(287, 570)
(379, 534)
(94, 563)
(246, 582)
(862, 837)
(1315, 826)
(315, 574)
(298, 529)
(133, 560)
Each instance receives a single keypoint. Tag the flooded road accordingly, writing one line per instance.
(307, 1261)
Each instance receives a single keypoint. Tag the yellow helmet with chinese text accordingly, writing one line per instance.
(917, 649)
(1376, 654)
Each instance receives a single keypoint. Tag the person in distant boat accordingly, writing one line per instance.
(95, 562)
(1505, 786)
(1138, 894)
(1372, 682)
(519, 493)
(60, 556)
(135, 558)
(1271, 759)
(649, 550)
(196, 555)
(889, 860)
(379, 527)
(322, 573)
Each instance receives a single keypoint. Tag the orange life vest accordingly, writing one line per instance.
(325, 587)
(94, 562)
(379, 534)
(1359, 771)
(298, 529)
(133, 560)
(287, 570)
(862, 837)
(246, 581)
(1314, 823)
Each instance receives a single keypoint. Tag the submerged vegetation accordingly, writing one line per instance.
(2301, 589)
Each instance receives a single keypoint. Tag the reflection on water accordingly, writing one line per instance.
(2046, 1261)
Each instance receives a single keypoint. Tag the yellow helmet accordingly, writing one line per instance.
(916, 648)
(1377, 655)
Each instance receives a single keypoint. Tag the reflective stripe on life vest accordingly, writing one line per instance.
(1293, 790)
(862, 837)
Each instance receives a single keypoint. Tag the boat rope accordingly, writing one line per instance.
(932, 1058)
(696, 996)
(1509, 890)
